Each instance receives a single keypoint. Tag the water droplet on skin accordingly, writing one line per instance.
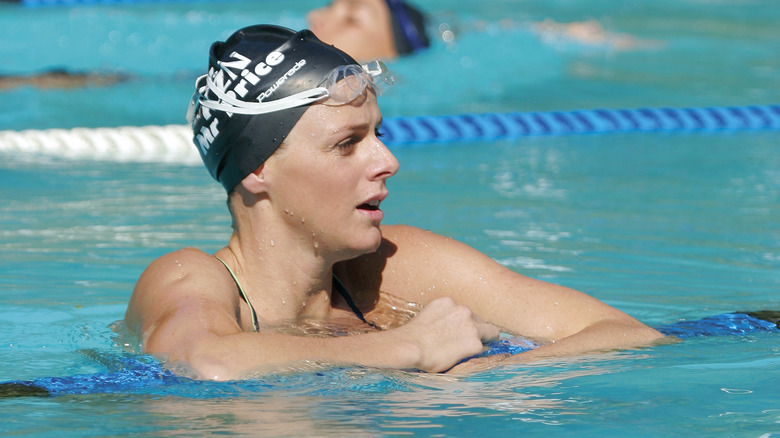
(284, 301)
(316, 244)
(272, 243)
(303, 220)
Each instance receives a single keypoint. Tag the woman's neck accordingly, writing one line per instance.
(282, 278)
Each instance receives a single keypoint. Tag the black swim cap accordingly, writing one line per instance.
(261, 63)
(408, 25)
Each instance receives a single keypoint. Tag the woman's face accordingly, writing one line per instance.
(329, 177)
(362, 28)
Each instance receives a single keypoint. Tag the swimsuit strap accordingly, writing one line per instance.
(344, 294)
(242, 293)
(336, 282)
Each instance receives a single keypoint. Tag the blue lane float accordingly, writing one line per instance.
(144, 374)
(173, 143)
(492, 126)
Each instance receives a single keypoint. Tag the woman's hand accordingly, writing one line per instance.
(444, 333)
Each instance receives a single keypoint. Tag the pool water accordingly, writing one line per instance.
(663, 226)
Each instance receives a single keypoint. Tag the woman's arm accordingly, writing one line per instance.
(180, 318)
(421, 266)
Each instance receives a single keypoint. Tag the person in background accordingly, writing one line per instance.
(589, 33)
(371, 29)
(61, 79)
(366, 29)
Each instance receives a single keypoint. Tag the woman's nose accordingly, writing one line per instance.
(387, 163)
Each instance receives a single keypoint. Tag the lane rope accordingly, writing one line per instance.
(173, 143)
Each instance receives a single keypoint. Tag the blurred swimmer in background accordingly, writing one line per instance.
(368, 30)
(371, 29)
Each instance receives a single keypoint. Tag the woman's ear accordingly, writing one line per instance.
(255, 181)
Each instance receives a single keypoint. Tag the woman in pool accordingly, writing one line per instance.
(289, 126)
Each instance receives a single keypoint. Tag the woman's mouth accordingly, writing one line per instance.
(371, 205)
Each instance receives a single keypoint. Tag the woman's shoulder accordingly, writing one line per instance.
(188, 271)
(189, 260)
(413, 259)
(410, 241)
(408, 234)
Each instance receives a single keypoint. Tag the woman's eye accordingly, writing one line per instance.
(347, 144)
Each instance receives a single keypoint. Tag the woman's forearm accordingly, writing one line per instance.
(604, 335)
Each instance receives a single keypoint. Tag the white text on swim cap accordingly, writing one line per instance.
(267, 93)
(240, 64)
(207, 135)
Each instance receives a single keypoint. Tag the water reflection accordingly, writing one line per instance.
(362, 402)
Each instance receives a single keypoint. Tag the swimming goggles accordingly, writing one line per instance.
(340, 86)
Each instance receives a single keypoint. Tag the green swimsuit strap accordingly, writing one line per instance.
(242, 293)
(339, 287)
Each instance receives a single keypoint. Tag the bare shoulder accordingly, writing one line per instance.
(188, 274)
(414, 247)
(410, 241)
(420, 265)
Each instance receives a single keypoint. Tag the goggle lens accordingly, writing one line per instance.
(348, 82)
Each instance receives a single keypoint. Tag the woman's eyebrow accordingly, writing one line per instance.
(355, 127)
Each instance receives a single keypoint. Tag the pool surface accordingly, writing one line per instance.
(664, 226)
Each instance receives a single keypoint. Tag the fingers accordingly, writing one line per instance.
(446, 333)
(487, 331)
(462, 326)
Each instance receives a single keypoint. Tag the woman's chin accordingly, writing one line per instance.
(370, 243)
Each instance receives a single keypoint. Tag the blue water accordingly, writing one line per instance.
(663, 226)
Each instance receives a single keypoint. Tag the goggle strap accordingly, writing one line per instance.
(374, 70)
(233, 105)
(251, 108)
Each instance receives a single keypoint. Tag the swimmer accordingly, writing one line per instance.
(371, 29)
(366, 29)
(589, 33)
(61, 79)
(290, 127)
